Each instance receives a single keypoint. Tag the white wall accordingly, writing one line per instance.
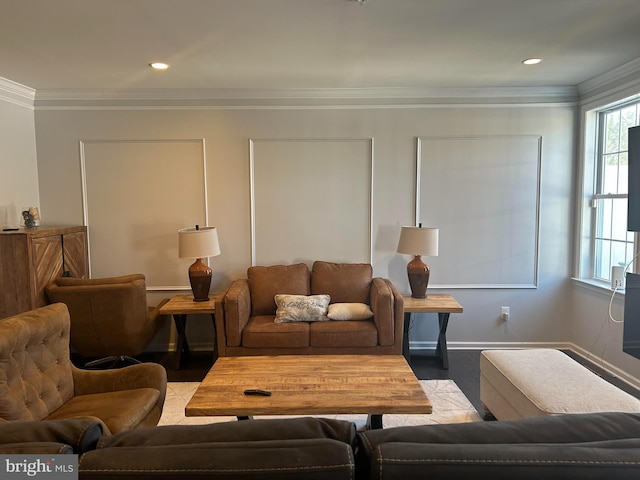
(18, 168)
(540, 315)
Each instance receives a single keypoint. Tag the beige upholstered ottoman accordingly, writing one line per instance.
(537, 382)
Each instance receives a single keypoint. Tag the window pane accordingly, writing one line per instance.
(619, 254)
(629, 256)
(610, 174)
(628, 119)
(619, 219)
(612, 132)
(603, 224)
(623, 171)
(603, 259)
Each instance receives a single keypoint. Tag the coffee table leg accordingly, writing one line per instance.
(374, 422)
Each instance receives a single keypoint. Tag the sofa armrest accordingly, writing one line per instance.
(35, 448)
(297, 428)
(144, 375)
(568, 428)
(383, 311)
(282, 448)
(79, 434)
(398, 317)
(311, 459)
(237, 310)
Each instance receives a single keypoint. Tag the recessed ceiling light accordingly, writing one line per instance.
(159, 65)
(532, 61)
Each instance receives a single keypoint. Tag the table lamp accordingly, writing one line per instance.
(418, 241)
(199, 243)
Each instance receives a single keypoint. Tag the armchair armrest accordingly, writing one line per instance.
(236, 304)
(155, 317)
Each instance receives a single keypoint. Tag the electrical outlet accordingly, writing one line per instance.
(504, 315)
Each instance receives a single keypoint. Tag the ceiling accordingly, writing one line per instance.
(313, 44)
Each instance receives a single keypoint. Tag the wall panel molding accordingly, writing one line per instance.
(483, 192)
(137, 194)
(311, 199)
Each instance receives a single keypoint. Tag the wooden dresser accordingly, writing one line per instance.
(31, 257)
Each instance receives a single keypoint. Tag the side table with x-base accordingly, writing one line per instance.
(179, 307)
(443, 305)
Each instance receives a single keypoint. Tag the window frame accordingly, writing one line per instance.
(593, 172)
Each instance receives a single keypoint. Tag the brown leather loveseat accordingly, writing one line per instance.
(246, 313)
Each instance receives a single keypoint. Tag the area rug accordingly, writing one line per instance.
(450, 405)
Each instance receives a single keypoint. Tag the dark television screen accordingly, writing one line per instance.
(633, 213)
(631, 325)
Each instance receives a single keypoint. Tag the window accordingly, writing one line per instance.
(612, 245)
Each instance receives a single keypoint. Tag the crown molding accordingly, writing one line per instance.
(16, 93)
(619, 79)
(296, 97)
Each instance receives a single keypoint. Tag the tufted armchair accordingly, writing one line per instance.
(38, 380)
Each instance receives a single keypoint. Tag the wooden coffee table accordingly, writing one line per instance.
(310, 385)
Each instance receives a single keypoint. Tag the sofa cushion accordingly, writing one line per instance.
(343, 282)
(119, 410)
(349, 311)
(301, 308)
(348, 333)
(263, 332)
(266, 282)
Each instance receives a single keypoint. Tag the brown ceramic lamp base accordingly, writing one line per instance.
(418, 272)
(200, 278)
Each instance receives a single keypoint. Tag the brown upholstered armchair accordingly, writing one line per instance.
(39, 382)
(245, 313)
(110, 317)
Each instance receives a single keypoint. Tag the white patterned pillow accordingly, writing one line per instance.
(301, 308)
(349, 311)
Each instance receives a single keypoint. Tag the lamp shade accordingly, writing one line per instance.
(419, 241)
(199, 242)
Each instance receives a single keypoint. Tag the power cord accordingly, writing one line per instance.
(615, 290)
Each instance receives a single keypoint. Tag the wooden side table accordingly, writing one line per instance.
(179, 307)
(443, 305)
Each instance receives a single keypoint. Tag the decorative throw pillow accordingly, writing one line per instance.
(349, 311)
(301, 308)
